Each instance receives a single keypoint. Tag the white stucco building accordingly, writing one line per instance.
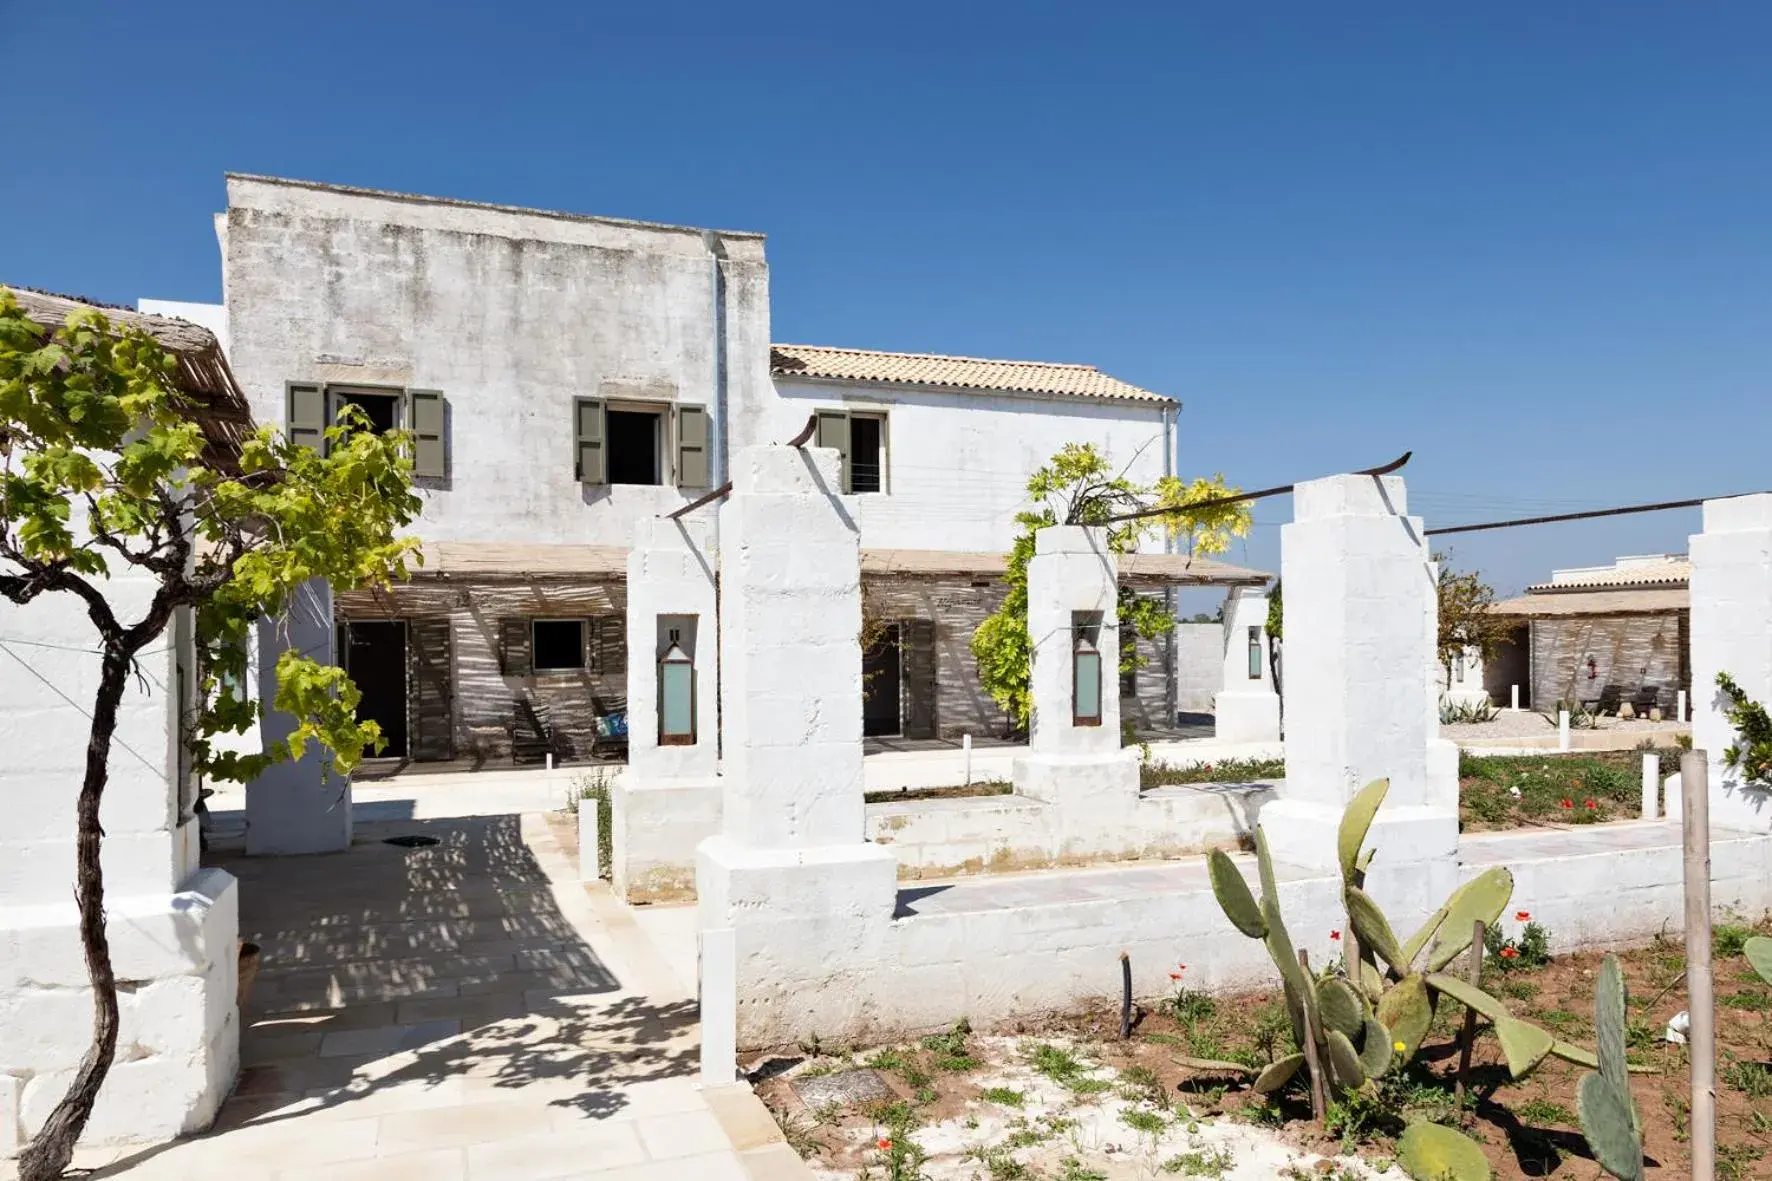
(569, 376)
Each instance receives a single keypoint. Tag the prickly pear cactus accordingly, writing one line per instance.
(1759, 956)
(1430, 1152)
(1609, 1119)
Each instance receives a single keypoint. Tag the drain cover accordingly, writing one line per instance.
(411, 841)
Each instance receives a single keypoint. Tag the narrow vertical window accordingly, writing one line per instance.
(1086, 668)
(676, 695)
(1458, 668)
(1255, 653)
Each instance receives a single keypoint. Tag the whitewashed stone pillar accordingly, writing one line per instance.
(1075, 766)
(302, 806)
(1247, 709)
(172, 926)
(1360, 623)
(791, 871)
(668, 798)
(1731, 631)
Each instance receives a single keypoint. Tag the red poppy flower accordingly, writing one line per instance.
(1522, 916)
(1335, 935)
(1509, 953)
(885, 1143)
(1175, 975)
(1565, 803)
(1589, 805)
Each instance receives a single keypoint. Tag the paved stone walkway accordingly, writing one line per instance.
(461, 1011)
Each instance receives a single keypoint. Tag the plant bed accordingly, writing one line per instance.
(899, 795)
(1042, 1106)
(1067, 1100)
(1518, 791)
(1161, 774)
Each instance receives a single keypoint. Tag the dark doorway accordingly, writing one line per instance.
(376, 660)
(880, 686)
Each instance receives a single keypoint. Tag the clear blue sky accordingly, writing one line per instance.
(1532, 242)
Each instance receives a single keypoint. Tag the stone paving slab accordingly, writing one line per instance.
(466, 1011)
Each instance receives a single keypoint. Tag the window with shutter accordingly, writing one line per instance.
(833, 431)
(305, 415)
(591, 461)
(692, 447)
(424, 411)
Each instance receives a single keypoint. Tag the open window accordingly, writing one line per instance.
(557, 645)
(640, 443)
(312, 407)
(861, 437)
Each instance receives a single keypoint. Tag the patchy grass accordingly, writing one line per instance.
(984, 787)
(1161, 774)
(1588, 787)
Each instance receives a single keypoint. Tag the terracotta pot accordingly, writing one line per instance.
(249, 957)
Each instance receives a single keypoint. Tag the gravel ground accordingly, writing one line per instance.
(1526, 724)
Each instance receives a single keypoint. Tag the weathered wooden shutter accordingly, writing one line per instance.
(917, 651)
(611, 644)
(424, 416)
(514, 647)
(305, 415)
(833, 431)
(592, 462)
(432, 731)
(692, 447)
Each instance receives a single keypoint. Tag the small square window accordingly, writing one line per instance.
(559, 644)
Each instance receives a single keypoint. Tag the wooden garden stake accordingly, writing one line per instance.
(1319, 1096)
(1701, 1038)
(1125, 996)
(1475, 975)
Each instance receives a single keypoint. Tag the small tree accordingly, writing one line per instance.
(1079, 487)
(104, 468)
(1467, 618)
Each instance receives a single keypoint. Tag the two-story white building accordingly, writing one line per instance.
(567, 375)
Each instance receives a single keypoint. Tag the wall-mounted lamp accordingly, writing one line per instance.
(676, 695)
(1086, 668)
(1255, 653)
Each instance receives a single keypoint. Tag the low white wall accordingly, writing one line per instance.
(1005, 949)
(996, 834)
(654, 830)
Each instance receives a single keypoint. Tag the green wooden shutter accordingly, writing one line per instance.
(591, 462)
(428, 652)
(424, 416)
(611, 644)
(833, 431)
(513, 647)
(692, 447)
(305, 415)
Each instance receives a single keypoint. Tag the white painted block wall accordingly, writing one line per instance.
(1731, 631)
(1247, 709)
(172, 926)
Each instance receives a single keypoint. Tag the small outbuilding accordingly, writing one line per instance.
(1603, 636)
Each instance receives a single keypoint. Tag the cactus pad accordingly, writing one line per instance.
(1406, 1011)
(1759, 955)
(1376, 1048)
(1341, 1007)
(1525, 1045)
(1483, 897)
(1429, 1152)
(1373, 928)
(1344, 1061)
(1356, 821)
(1606, 1124)
(1233, 895)
(1278, 1074)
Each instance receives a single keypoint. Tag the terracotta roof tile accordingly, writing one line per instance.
(965, 373)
